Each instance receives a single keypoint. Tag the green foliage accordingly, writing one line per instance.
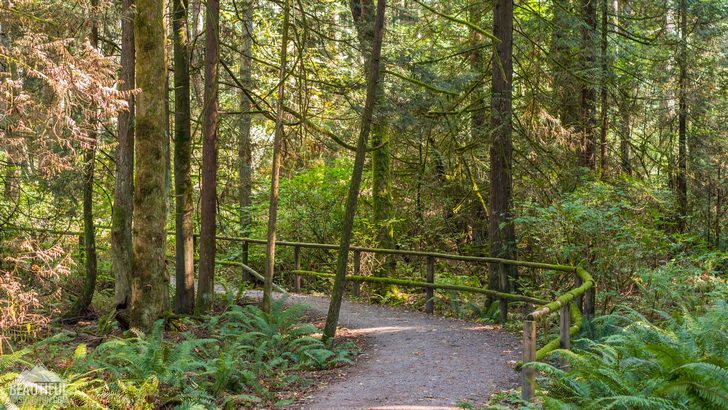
(623, 233)
(679, 364)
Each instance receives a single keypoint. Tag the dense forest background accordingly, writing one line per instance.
(612, 153)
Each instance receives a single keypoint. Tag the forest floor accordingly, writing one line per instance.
(412, 360)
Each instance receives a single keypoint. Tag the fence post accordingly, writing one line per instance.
(579, 299)
(529, 355)
(503, 303)
(356, 286)
(589, 297)
(297, 266)
(564, 325)
(247, 277)
(429, 292)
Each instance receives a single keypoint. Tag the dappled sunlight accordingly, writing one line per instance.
(382, 330)
(410, 407)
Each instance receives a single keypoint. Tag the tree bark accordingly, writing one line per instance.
(604, 90)
(587, 122)
(208, 196)
(364, 16)
(185, 264)
(342, 260)
(89, 233)
(121, 237)
(149, 280)
(270, 249)
(682, 185)
(501, 232)
(245, 170)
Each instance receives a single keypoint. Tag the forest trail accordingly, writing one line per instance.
(413, 360)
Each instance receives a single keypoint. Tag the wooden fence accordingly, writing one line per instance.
(570, 305)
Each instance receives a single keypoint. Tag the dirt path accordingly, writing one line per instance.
(415, 361)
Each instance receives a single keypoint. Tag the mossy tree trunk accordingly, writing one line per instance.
(501, 232)
(342, 259)
(149, 280)
(270, 249)
(208, 196)
(185, 265)
(121, 235)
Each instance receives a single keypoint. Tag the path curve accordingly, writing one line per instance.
(414, 360)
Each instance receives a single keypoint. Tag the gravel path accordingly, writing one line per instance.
(415, 361)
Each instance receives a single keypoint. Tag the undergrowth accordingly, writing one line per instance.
(241, 358)
(637, 364)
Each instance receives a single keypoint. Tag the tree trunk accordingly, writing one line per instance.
(566, 86)
(208, 196)
(587, 148)
(149, 280)
(121, 238)
(89, 234)
(185, 264)
(604, 91)
(682, 185)
(363, 14)
(479, 135)
(342, 259)
(245, 169)
(270, 249)
(501, 232)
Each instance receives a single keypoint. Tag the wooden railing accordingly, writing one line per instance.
(570, 305)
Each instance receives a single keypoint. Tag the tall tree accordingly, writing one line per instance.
(501, 232)
(208, 196)
(603, 84)
(149, 281)
(364, 19)
(682, 156)
(245, 167)
(270, 249)
(121, 238)
(342, 259)
(587, 122)
(185, 264)
(89, 231)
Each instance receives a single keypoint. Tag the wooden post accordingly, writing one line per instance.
(564, 326)
(579, 299)
(503, 303)
(247, 277)
(529, 355)
(297, 266)
(429, 292)
(356, 286)
(589, 297)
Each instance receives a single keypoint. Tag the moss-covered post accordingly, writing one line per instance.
(429, 292)
(529, 355)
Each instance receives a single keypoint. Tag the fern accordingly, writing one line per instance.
(640, 365)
